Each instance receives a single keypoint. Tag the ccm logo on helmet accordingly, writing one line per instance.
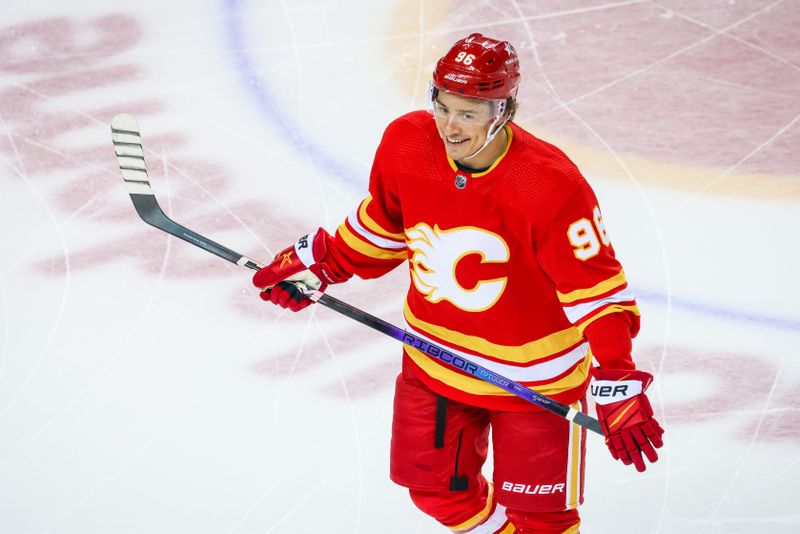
(533, 489)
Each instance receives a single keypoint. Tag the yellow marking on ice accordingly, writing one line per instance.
(415, 44)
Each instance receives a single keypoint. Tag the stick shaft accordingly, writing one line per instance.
(130, 156)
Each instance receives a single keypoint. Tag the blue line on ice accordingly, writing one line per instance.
(270, 109)
(719, 312)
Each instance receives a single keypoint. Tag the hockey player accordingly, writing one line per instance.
(510, 265)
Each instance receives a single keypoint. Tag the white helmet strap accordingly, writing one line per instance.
(498, 121)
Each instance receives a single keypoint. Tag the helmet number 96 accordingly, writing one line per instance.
(587, 238)
(465, 58)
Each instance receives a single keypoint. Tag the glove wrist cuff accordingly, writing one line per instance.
(608, 391)
(310, 248)
(612, 385)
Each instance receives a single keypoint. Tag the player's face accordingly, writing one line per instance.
(462, 123)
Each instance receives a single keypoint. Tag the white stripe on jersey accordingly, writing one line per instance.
(538, 371)
(579, 311)
(375, 239)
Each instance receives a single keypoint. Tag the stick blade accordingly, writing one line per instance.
(130, 155)
(125, 122)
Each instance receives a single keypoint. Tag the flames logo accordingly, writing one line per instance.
(436, 254)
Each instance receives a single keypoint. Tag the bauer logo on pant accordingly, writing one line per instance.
(533, 489)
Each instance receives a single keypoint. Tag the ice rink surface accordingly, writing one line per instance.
(145, 388)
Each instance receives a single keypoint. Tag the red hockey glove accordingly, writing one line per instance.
(301, 263)
(626, 416)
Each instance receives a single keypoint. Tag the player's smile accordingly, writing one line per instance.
(454, 145)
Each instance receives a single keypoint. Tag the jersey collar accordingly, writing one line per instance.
(509, 137)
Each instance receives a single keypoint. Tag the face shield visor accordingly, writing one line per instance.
(494, 117)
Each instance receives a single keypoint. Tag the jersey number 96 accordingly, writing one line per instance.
(587, 238)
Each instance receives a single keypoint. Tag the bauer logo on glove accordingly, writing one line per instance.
(608, 391)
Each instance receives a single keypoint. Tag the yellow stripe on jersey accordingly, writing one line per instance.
(370, 224)
(367, 249)
(526, 353)
(475, 386)
(509, 529)
(480, 516)
(614, 308)
(603, 287)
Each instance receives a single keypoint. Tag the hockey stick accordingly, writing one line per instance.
(130, 157)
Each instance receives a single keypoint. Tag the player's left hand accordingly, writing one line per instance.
(626, 416)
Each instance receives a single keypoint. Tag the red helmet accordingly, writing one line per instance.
(479, 67)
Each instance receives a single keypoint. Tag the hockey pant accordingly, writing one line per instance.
(439, 447)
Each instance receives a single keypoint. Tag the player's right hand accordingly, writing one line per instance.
(296, 268)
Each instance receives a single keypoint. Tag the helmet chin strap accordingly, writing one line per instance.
(494, 128)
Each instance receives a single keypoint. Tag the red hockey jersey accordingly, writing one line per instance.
(507, 266)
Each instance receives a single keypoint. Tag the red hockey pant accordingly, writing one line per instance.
(538, 464)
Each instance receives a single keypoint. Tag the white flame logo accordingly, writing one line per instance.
(436, 253)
